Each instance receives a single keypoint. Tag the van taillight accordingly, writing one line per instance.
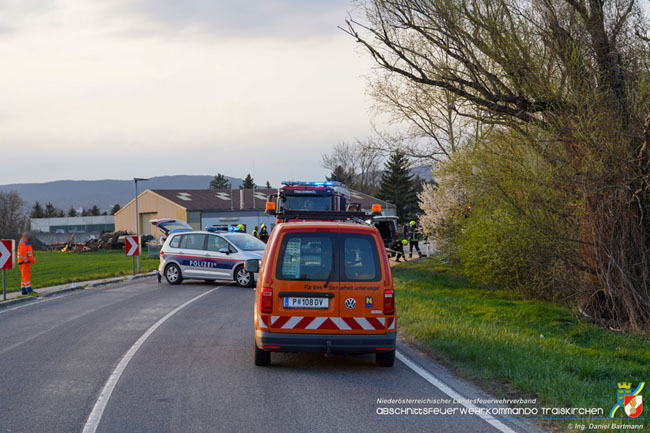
(389, 301)
(267, 301)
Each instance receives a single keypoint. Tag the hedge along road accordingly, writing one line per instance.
(150, 357)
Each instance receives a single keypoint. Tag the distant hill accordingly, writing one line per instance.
(423, 172)
(65, 194)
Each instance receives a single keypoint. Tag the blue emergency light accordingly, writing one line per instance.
(179, 230)
(296, 183)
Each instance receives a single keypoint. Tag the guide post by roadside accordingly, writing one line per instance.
(7, 261)
(132, 249)
(137, 213)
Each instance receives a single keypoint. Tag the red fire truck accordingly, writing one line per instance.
(311, 196)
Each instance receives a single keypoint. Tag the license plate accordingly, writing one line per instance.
(311, 303)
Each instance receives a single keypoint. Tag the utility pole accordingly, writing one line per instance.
(137, 214)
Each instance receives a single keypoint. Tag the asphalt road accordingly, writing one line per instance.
(177, 366)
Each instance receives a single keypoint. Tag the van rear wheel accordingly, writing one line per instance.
(262, 357)
(385, 359)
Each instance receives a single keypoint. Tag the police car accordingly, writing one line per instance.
(210, 256)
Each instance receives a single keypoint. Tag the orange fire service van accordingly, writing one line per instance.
(324, 286)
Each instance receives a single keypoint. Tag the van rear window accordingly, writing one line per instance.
(306, 257)
(333, 256)
(360, 259)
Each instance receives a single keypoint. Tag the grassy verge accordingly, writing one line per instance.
(54, 267)
(525, 347)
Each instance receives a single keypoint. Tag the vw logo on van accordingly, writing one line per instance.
(350, 303)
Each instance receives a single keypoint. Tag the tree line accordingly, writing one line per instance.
(50, 211)
(372, 168)
(534, 117)
(220, 181)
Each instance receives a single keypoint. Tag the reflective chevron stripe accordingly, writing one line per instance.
(261, 321)
(340, 323)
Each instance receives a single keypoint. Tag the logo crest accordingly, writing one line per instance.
(629, 399)
(350, 303)
(633, 405)
(368, 301)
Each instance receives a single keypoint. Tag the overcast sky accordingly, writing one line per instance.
(95, 89)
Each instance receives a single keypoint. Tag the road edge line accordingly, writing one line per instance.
(426, 375)
(95, 417)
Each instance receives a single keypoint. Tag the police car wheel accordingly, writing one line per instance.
(173, 274)
(243, 278)
(262, 357)
(385, 359)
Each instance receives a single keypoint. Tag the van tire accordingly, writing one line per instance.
(262, 357)
(385, 359)
(173, 274)
(238, 277)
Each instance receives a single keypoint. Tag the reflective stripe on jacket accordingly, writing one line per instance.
(25, 252)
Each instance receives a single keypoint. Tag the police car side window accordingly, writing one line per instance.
(193, 242)
(175, 242)
(215, 243)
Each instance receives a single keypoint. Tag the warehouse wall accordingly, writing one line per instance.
(150, 205)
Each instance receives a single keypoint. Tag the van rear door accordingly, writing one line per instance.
(305, 283)
(361, 286)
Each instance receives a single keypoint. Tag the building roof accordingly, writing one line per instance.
(216, 199)
(226, 199)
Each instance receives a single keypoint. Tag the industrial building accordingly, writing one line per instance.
(52, 231)
(202, 208)
(78, 224)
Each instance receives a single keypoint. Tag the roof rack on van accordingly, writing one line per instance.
(327, 215)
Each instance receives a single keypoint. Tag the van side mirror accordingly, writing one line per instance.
(224, 250)
(252, 265)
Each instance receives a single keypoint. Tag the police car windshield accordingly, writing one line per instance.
(294, 202)
(246, 242)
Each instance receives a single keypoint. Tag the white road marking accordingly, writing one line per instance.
(450, 392)
(95, 416)
(20, 306)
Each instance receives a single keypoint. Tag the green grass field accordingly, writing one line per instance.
(54, 267)
(517, 347)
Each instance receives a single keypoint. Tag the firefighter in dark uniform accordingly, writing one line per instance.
(398, 248)
(264, 235)
(413, 237)
(256, 232)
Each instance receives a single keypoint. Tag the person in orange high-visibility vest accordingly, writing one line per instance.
(25, 261)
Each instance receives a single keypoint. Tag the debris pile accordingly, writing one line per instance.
(107, 241)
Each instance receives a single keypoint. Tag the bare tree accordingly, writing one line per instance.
(357, 164)
(438, 122)
(12, 213)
